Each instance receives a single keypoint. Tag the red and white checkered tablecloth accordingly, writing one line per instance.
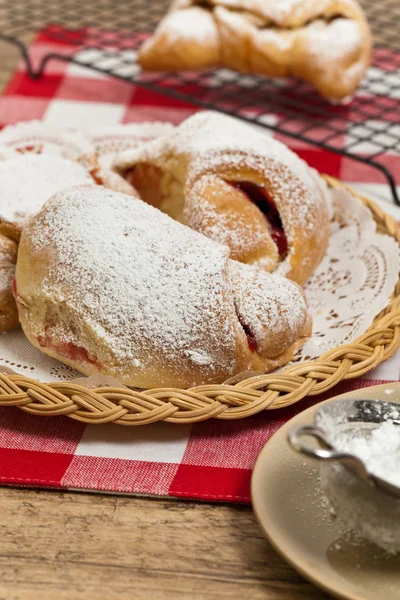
(212, 460)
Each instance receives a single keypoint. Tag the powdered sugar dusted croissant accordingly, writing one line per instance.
(239, 187)
(325, 42)
(127, 291)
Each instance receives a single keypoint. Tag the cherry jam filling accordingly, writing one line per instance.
(14, 288)
(96, 176)
(261, 198)
(251, 340)
(69, 350)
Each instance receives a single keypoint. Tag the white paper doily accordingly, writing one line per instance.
(355, 280)
(351, 286)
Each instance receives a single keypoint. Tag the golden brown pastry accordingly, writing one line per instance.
(325, 42)
(129, 292)
(8, 309)
(239, 187)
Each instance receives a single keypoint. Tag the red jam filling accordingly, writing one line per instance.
(69, 350)
(95, 175)
(261, 198)
(14, 288)
(251, 340)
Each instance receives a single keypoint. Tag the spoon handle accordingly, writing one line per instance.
(327, 452)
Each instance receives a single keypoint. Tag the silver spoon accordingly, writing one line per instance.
(350, 415)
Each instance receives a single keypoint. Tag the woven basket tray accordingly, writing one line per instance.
(276, 390)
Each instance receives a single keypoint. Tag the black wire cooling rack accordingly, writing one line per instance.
(107, 34)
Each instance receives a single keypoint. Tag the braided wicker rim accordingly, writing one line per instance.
(129, 407)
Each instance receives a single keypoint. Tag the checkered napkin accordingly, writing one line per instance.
(212, 460)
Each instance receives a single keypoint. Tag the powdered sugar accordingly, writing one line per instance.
(330, 42)
(208, 138)
(211, 143)
(194, 23)
(139, 291)
(36, 136)
(26, 182)
(203, 213)
(272, 307)
(108, 141)
(371, 514)
(147, 287)
(378, 448)
(285, 13)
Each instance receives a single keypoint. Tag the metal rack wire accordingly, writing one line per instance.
(107, 35)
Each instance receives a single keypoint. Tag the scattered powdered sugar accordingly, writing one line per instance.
(368, 512)
(364, 508)
(152, 291)
(27, 181)
(378, 448)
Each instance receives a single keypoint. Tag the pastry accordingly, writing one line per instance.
(325, 42)
(108, 141)
(37, 137)
(129, 292)
(27, 181)
(8, 309)
(230, 182)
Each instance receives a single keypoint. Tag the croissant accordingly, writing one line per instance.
(325, 42)
(229, 182)
(127, 291)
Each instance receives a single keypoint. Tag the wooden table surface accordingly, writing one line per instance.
(101, 547)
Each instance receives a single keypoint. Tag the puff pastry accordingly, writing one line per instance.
(127, 291)
(325, 42)
(239, 187)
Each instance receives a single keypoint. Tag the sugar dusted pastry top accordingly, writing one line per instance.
(210, 150)
(325, 42)
(285, 13)
(27, 181)
(128, 291)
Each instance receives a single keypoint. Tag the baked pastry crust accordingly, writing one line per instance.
(229, 182)
(8, 308)
(27, 181)
(325, 42)
(129, 292)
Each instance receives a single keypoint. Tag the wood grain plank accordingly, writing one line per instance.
(73, 546)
